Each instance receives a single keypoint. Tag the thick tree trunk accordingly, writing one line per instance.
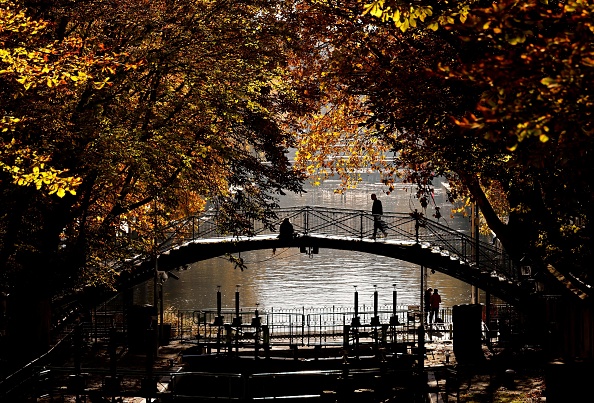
(510, 239)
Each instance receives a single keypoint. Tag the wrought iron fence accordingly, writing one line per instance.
(298, 326)
(406, 228)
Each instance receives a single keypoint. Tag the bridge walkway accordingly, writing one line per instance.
(410, 237)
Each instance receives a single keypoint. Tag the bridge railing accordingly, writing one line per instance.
(356, 224)
(480, 254)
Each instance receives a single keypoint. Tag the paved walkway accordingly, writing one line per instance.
(497, 380)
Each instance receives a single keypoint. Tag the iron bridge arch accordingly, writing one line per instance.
(411, 237)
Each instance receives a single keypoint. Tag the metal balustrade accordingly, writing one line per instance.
(302, 326)
(404, 228)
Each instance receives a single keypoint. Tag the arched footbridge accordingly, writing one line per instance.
(410, 237)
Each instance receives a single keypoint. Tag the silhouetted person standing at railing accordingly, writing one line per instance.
(434, 302)
(377, 210)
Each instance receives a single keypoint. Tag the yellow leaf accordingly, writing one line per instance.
(61, 192)
(404, 25)
(550, 82)
(376, 12)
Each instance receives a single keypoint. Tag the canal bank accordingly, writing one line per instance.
(106, 365)
(484, 384)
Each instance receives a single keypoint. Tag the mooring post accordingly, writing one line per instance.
(356, 302)
(219, 300)
(237, 302)
(394, 319)
(256, 324)
(375, 301)
(375, 322)
(356, 321)
(237, 320)
(394, 300)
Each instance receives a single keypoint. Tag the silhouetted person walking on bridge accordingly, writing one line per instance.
(377, 210)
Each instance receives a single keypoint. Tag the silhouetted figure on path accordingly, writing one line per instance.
(434, 302)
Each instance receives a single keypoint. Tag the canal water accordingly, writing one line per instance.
(288, 279)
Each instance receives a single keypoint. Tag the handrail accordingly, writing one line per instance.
(354, 224)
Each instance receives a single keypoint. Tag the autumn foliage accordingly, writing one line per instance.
(141, 112)
(495, 97)
(116, 121)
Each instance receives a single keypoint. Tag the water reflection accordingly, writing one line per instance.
(289, 279)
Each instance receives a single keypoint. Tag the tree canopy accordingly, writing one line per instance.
(118, 117)
(498, 100)
(136, 113)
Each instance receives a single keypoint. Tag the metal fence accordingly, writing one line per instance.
(292, 326)
(402, 227)
(299, 326)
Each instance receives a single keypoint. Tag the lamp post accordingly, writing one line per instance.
(155, 334)
(155, 329)
(474, 291)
